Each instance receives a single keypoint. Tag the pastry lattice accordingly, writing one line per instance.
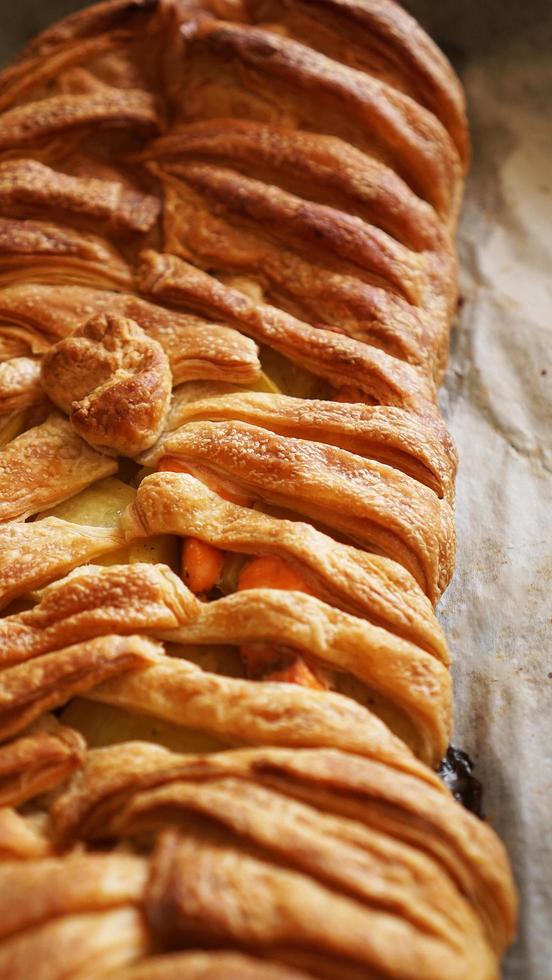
(227, 280)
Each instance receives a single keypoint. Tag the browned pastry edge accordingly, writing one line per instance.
(24, 125)
(39, 468)
(41, 759)
(385, 433)
(341, 360)
(19, 384)
(28, 187)
(209, 966)
(381, 37)
(320, 168)
(27, 690)
(135, 788)
(32, 555)
(368, 503)
(379, 117)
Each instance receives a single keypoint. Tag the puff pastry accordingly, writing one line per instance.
(227, 280)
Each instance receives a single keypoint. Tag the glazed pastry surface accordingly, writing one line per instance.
(227, 282)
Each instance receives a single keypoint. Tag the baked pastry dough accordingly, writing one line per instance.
(344, 362)
(32, 555)
(43, 758)
(57, 254)
(113, 381)
(35, 316)
(345, 822)
(30, 688)
(20, 839)
(45, 465)
(30, 187)
(360, 583)
(209, 966)
(227, 279)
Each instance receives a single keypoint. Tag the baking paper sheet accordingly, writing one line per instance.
(498, 401)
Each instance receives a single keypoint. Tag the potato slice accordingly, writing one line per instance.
(102, 724)
(163, 549)
(102, 505)
(263, 383)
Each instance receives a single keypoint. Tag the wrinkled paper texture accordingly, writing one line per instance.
(498, 400)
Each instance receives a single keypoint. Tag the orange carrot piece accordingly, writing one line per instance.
(201, 569)
(265, 663)
(201, 565)
(271, 573)
(298, 672)
(260, 658)
(174, 465)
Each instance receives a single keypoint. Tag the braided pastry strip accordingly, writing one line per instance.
(342, 827)
(250, 202)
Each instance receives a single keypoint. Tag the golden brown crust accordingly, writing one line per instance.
(209, 966)
(341, 360)
(246, 712)
(476, 858)
(347, 866)
(34, 316)
(318, 167)
(24, 126)
(383, 433)
(378, 37)
(289, 917)
(306, 226)
(85, 946)
(367, 502)
(353, 859)
(95, 20)
(111, 778)
(116, 784)
(39, 760)
(28, 187)
(56, 254)
(20, 385)
(114, 382)
(32, 555)
(311, 260)
(29, 689)
(45, 465)
(347, 861)
(92, 601)
(400, 680)
(20, 840)
(311, 90)
(80, 883)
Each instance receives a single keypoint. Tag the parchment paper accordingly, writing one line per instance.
(498, 400)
